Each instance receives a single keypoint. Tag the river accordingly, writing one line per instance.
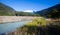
(10, 27)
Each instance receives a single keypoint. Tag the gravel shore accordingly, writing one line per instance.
(4, 19)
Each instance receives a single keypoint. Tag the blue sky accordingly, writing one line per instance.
(21, 5)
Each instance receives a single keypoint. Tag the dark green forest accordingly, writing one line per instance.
(51, 12)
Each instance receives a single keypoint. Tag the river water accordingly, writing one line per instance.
(10, 27)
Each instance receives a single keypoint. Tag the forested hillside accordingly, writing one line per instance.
(6, 10)
(52, 12)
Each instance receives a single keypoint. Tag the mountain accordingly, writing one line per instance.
(51, 12)
(6, 10)
(21, 13)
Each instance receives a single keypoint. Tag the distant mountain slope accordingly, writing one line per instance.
(20, 13)
(53, 11)
(6, 10)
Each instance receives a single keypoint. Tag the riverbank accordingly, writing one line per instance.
(4, 19)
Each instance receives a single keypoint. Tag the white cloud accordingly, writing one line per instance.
(28, 10)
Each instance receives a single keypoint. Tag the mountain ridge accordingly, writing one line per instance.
(5, 10)
(49, 11)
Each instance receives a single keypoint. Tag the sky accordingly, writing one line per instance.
(35, 5)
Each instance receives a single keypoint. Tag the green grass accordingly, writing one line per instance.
(37, 22)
